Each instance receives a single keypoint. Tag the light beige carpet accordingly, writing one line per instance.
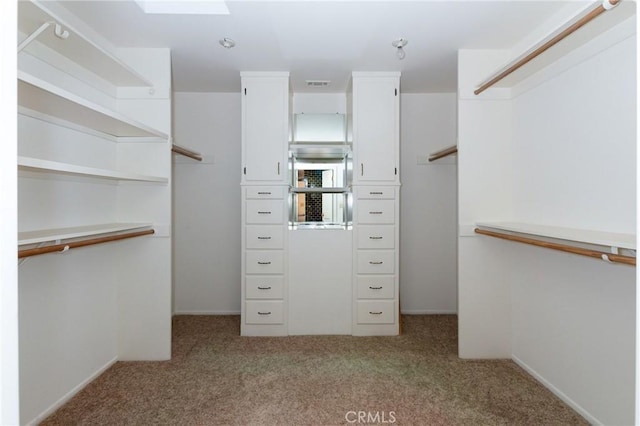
(217, 377)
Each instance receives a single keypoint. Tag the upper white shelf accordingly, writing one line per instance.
(586, 236)
(45, 235)
(38, 95)
(77, 47)
(547, 60)
(39, 165)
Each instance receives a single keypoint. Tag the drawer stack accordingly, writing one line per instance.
(264, 261)
(376, 310)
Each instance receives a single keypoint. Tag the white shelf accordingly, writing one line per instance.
(38, 95)
(585, 236)
(316, 150)
(44, 235)
(572, 50)
(46, 166)
(83, 51)
(323, 190)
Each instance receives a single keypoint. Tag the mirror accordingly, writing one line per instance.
(320, 193)
(317, 128)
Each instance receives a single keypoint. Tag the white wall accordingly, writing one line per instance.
(207, 204)
(207, 200)
(573, 327)
(484, 192)
(428, 222)
(68, 327)
(585, 139)
(575, 162)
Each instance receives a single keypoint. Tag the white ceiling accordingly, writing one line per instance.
(319, 40)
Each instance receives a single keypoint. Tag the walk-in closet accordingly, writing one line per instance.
(239, 194)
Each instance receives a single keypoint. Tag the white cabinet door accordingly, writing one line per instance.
(376, 128)
(265, 109)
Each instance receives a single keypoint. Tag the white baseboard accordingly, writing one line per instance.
(557, 392)
(206, 313)
(59, 403)
(428, 312)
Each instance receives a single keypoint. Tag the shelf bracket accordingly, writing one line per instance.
(57, 30)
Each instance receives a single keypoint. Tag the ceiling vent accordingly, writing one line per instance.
(317, 83)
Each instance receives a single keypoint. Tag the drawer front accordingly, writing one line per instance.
(376, 211)
(376, 311)
(264, 287)
(264, 211)
(265, 192)
(376, 237)
(264, 236)
(264, 312)
(377, 192)
(264, 262)
(376, 262)
(376, 287)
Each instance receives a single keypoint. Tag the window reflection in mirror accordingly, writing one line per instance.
(316, 206)
(320, 194)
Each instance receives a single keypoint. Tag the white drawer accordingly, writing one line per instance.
(376, 311)
(264, 262)
(264, 236)
(376, 211)
(262, 192)
(264, 312)
(376, 237)
(376, 287)
(264, 287)
(264, 211)
(376, 192)
(376, 262)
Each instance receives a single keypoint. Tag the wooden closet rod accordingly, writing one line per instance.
(589, 16)
(186, 152)
(443, 153)
(627, 260)
(92, 241)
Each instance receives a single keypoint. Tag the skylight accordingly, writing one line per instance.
(184, 7)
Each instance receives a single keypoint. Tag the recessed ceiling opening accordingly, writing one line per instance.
(184, 7)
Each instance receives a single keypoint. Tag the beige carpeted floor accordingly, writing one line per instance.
(217, 377)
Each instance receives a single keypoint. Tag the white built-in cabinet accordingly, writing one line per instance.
(94, 162)
(265, 126)
(376, 207)
(278, 283)
(265, 130)
(376, 127)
